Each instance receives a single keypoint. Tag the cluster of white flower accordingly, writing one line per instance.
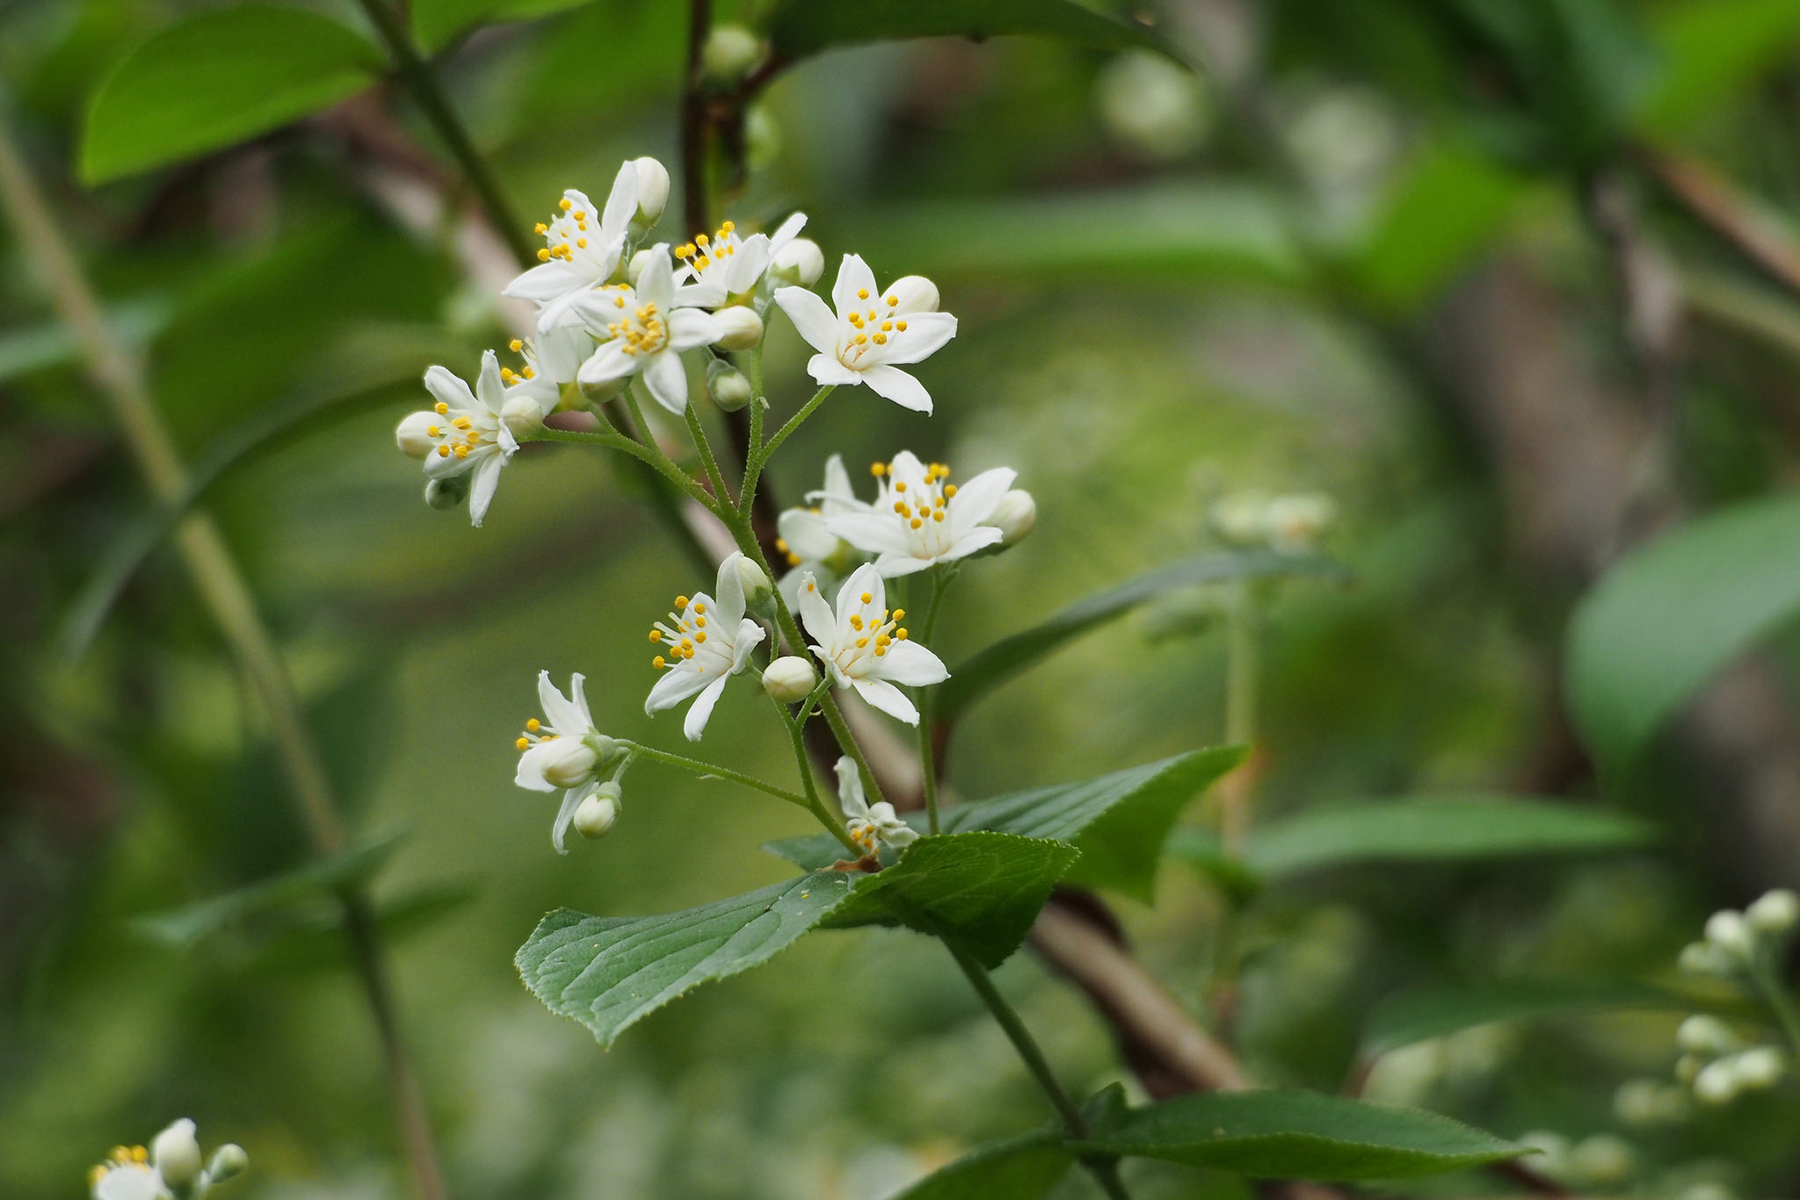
(1738, 946)
(1600, 1162)
(170, 1169)
(1719, 1065)
(1285, 524)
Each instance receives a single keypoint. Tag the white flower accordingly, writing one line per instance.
(864, 647)
(1774, 912)
(869, 826)
(804, 538)
(643, 331)
(725, 267)
(919, 519)
(581, 250)
(171, 1165)
(564, 751)
(464, 431)
(800, 261)
(871, 331)
(1015, 517)
(708, 641)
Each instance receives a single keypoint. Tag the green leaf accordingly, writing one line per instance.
(611, 972)
(218, 78)
(1118, 821)
(1023, 1168)
(1674, 613)
(1429, 1012)
(974, 677)
(42, 347)
(435, 23)
(1432, 829)
(1298, 1135)
(1711, 49)
(802, 27)
(185, 927)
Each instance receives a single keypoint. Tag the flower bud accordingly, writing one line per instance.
(759, 593)
(1758, 1067)
(728, 386)
(652, 190)
(1702, 1034)
(636, 266)
(1239, 517)
(595, 816)
(600, 393)
(1293, 523)
(413, 435)
(1602, 1159)
(1701, 958)
(799, 263)
(1015, 518)
(1717, 1082)
(523, 415)
(729, 53)
(569, 761)
(176, 1155)
(1728, 933)
(790, 679)
(446, 493)
(1774, 912)
(915, 294)
(228, 1160)
(743, 328)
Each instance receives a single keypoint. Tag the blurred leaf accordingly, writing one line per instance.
(1430, 1012)
(802, 27)
(436, 22)
(1298, 1135)
(1671, 615)
(184, 927)
(974, 677)
(1711, 49)
(1117, 821)
(1443, 214)
(315, 941)
(218, 78)
(610, 972)
(982, 890)
(1024, 1168)
(41, 347)
(1430, 829)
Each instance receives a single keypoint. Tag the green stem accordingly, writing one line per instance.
(644, 452)
(708, 770)
(927, 752)
(422, 85)
(1769, 983)
(797, 738)
(698, 432)
(747, 486)
(760, 456)
(1243, 632)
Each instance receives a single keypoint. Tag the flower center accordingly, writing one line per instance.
(865, 330)
(639, 327)
(871, 631)
(566, 234)
(461, 431)
(705, 252)
(922, 508)
(687, 639)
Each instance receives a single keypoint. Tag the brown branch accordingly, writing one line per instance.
(1728, 210)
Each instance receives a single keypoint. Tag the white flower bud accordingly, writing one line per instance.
(1240, 517)
(1716, 1083)
(413, 437)
(175, 1152)
(636, 266)
(730, 389)
(1702, 1034)
(1015, 518)
(569, 761)
(789, 679)
(759, 593)
(799, 263)
(446, 493)
(1774, 912)
(915, 293)
(1293, 523)
(652, 190)
(743, 328)
(1701, 958)
(729, 54)
(228, 1160)
(1727, 932)
(523, 415)
(595, 816)
(1602, 1159)
(1759, 1067)
(600, 393)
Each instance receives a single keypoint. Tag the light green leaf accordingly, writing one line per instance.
(185, 927)
(1429, 1012)
(974, 677)
(219, 78)
(1446, 209)
(42, 347)
(1298, 1135)
(435, 23)
(802, 27)
(1673, 614)
(1710, 49)
(1023, 1168)
(611, 972)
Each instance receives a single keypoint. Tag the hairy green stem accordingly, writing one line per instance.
(709, 770)
(646, 453)
(759, 456)
(711, 464)
(940, 584)
(796, 728)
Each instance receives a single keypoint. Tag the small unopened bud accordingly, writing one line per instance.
(1601, 1159)
(1701, 958)
(743, 328)
(570, 762)
(729, 53)
(1240, 517)
(790, 679)
(523, 415)
(1758, 1067)
(600, 393)
(446, 493)
(176, 1154)
(414, 434)
(1294, 523)
(1702, 1034)
(652, 189)
(228, 1160)
(1717, 1082)
(759, 593)
(1015, 518)
(1774, 912)
(728, 386)
(636, 266)
(1729, 933)
(595, 816)
(799, 263)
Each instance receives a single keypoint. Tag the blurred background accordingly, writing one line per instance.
(1515, 283)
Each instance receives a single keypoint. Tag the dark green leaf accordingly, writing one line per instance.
(1023, 1168)
(1445, 211)
(436, 22)
(1711, 49)
(219, 78)
(1430, 1012)
(1673, 614)
(974, 677)
(1298, 1135)
(802, 27)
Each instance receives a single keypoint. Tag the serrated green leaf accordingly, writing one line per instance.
(185, 927)
(219, 78)
(1429, 1012)
(1298, 1135)
(435, 23)
(1710, 49)
(802, 27)
(1023, 1168)
(1671, 615)
(974, 677)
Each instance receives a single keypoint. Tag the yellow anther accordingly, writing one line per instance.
(900, 635)
(862, 293)
(949, 490)
(544, 255)
(580, 216)
(886, 326)
(541, 228)
(867, 598)
(699, 608)
(685, 251)
(880, 339)
(938, 515)
(781, 545)
(530, 373)
(462, 422)
(856, 621)
(699, 622)
(523, 743)
(893, 300)
(443, 452)
(916, 522)
(861, 642)
(900, 325)
(700, 239)
(533, 725)
(899, 613)
(440, 408)
(900, 507)
(462, 452)
(700, 637)
(793, 560)
(619, 300)
(901, 486)
(727, 227)
(681, 602)
(433, 431)
(582, 242)
(565, 204)
(515, 345)
(139, 1154)
(656, 635)
(862, 338)
(506, 374)
(658, 662)
(878, 469)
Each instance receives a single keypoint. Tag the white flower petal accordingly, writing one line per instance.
(909, 663)
(855, 286)
(915, 293)
(805, 534)
(621, 201)
(530, 774)
(130, 1182)
(888, 698)
(925, 335)
(666, 379)
(489, 388)
(893, 566)
(560, 714)
(874, 533)
(566, 814)
(657, 284)
(894, 384)
(446, 388)
(824, 368)
(850, 788)
(787, 231)
(865, 579)
(608, 363)
(815, 614)
(838, 495)
(977, 499)
(483, 486)
(816, 323)
(689, 328)
(547, 281)
(749, 637)
(701, 712)
(676, 684)
(978, 538)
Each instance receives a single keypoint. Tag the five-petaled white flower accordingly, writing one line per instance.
(564, 751)
(464, 431)
(870, 826)
(864, 646)
(717, 270)
(643, 332)
(804, 538)
(707, 641)
(920, 519)
(581, 250)
(871, 331)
